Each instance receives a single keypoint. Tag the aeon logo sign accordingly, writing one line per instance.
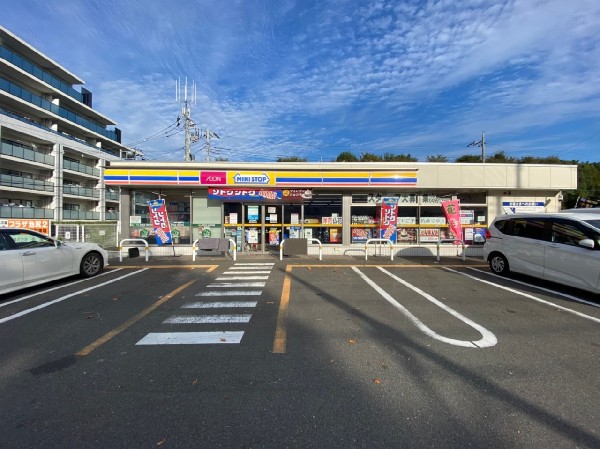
(213, 177)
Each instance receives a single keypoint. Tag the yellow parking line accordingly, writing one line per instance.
(89, 348)
(280, 341)
(279, 345)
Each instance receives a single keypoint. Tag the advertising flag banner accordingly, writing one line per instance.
(160, 221)
(452, 213)
(389, 218)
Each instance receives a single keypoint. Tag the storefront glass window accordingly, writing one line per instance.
(206, 218)
(323, 217)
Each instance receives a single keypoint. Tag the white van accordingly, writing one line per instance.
(560, 247)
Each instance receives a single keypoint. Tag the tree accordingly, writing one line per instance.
(391, 157)
(470, 158)
(346, 156)
(369, 157)
(437, 158)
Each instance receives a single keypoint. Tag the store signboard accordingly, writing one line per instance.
(287, 195)
(250, 178)
(515, 207)
(213, 177)
(160, 221)
(389, 218)
(38, 225)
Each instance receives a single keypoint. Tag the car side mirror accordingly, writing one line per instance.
(587, 243)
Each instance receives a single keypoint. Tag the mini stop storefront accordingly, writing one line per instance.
(340, 204)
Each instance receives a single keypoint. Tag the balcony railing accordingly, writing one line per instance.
(80, 191)
(26, 183)
(39, 73)
(112, 216)
(26, 212)
(80, 215)
(25, 153)
(24, 94)
(81, 168)
(112, 196)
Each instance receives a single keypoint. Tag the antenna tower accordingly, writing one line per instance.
(191, 131)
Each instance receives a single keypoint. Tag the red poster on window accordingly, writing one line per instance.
(452, 212)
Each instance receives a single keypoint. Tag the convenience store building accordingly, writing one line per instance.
(259, 204)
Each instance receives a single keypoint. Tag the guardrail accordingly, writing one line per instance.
(380, 241)
(195, 248)
(308, 240)
(131, 246)
(450, 241)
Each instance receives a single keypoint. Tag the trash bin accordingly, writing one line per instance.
(133, 252)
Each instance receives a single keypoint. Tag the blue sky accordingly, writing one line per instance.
(277, 78)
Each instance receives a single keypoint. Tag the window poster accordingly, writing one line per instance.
(335, 236)
(252, 214)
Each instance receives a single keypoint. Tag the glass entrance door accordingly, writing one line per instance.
(272, 231)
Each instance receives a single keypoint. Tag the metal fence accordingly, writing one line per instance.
(104, 234)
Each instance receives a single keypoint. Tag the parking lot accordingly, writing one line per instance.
(300, 353)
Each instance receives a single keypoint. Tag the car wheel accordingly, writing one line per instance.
(91, 265)
(499, 264)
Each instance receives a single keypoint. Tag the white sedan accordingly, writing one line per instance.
(28, 258)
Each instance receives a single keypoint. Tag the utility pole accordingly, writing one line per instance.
(481, 144)
(207, 135)
(191, 133)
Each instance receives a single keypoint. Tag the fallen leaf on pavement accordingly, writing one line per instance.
(352, 342)
(377, 381)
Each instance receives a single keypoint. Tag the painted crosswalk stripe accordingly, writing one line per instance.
(253, 264)
(203, 319)
(237, 284)
(220, 304)
(231, 293)
(241, 278)
(247, 272)
(191, 338)
(261, 267)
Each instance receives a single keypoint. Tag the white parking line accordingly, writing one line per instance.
(56, 288)
(246, 272)
(46, 304)
(191, 338)
(527, 295)
(554, 292)
(488, 339)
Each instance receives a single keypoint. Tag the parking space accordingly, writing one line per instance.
(224, 349)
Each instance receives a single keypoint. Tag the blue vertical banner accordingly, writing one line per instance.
(160, 221)
(389, 218)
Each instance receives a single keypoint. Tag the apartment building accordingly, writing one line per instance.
(54, 144)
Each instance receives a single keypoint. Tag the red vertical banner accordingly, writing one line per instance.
(452, 213)
(160, 221)
(389, 219)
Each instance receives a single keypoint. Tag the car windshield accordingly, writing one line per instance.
(594, 223)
